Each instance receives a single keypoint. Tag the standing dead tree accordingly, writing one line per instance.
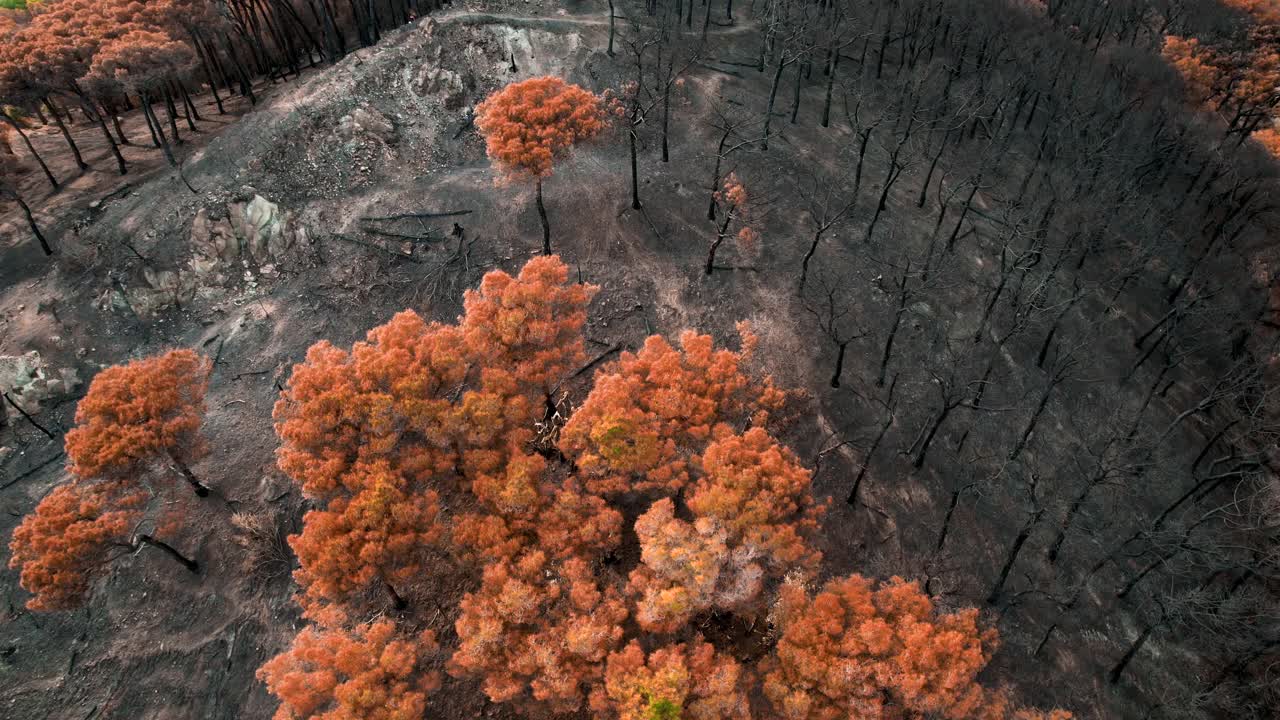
(1033, 516)
(1059, 371)
(789, 30)
(641, 98)
(953, 378)
(829, 302)
(828, 203)
(731, 128)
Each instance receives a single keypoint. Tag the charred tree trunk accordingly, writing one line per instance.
(1012, 558)
(115, 123)
(946, 520)
(190, 110)
(208, 71)
(666, 119)
(897, 321)
(1005, 272)
(715, 245)
(66, 135)
(546, 226)
(866, 461)
(200, 489)
(715, 174)
(835, 376)
(31, 222)
(96, 114)
(1117, 671)
(172, 112)
(53, 182)
(968, 203)
(833, 64)
(397, 601)
(635, 169)
(808, 256)
(1031, 424)
(169, 550)
(158, 132)
(928, 176)
(918, 461)
(795, 98)
(611, 30)
(773, 96)
(1056, 548)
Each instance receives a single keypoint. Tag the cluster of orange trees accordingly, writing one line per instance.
(1237, 74)
(651, 554)
(102, 57)
(603, 542)
(106, 56)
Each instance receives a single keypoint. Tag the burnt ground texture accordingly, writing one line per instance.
(998, 393)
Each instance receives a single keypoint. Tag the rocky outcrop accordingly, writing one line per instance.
(366, 125)
(26, 381)
(435, 79)
(237, 246)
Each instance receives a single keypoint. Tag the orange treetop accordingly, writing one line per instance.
(527, 124)
(648, 411)
(65, 539)
(371, 673)
(136, 412)
(690, 681)
(855, 650)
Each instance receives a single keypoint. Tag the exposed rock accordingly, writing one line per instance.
(435, 79)
(261, 228)
(27, 380)
(255, 234)
(213, 242)
(366, 124)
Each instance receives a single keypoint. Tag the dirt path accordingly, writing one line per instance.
(562, 22)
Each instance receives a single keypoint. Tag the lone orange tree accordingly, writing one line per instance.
(431, 449)
(58, 546)
(527, 125)
(133, 415)
(140, 412)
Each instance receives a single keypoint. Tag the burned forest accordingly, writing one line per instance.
(675, 359)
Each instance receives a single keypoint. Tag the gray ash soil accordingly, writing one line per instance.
(387, 131)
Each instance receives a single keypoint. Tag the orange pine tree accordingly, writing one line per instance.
(687, 681)
(137, 413)
(527, 125)
(528, 327)
(569, 523)
(759, 492)
(378, 536)
(538, 632)
(650, 410)
(439, 400)
(371, 673)
(753, 513)
(60, 545)
(855, 650)
(689, 568)
(387, 399)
